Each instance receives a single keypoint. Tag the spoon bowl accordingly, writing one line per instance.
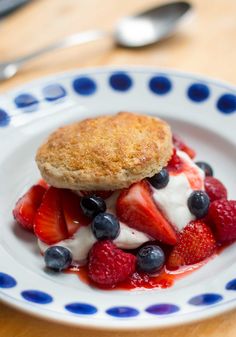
(150, 26)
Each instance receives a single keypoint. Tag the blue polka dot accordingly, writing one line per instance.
(36, 296)
(120, 81)
(27, 102)
(53, 92)
(198, 92)
(7, 281)
(122, 312)
(162, 309)
(84, 86)
(4, 118)
(231, 285)
(227, 103)
(81, 308)
(205, 299)
(160, 85)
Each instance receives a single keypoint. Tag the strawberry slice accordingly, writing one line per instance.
(102, 194)
(196, 243)
(49, 223)
(136, 208)
(26, 207)
(72, 211)
(180, 145)
(43, 183)
(177, 165)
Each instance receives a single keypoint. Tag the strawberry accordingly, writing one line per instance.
(43, 183)
(180, 145)
(26, 207)
(175, 164)
(49, 223)
(102, 194)
(72, 211)
(109, 265)
(222, 216)
(136, 208)
(178, 165)
(215, 189)
(196, 242)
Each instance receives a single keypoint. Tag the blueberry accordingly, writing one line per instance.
(160, 180)
(150, 259)
(105, 226)
(92, 205)
(57, 258)
(206, 168)
(198, 203)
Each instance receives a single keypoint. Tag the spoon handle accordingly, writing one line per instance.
(69, 41)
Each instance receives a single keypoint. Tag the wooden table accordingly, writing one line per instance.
(206, 46)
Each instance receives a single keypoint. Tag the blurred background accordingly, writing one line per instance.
(205, 44)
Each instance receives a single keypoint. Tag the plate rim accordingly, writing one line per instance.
(135, 68)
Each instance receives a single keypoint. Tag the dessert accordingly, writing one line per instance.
(124, 205)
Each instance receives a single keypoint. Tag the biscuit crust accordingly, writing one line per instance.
(105, 153)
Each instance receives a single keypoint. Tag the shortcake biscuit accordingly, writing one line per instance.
(105, 153)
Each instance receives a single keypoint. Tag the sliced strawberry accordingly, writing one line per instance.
(102, 194)
(136, 208)
(180, 145)
(72, 211)
(175, 164)
(195, 180)
(196, 243)
(43, 183)
(26, 207)
(178, 165)
(49, 223)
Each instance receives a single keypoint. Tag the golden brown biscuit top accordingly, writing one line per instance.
(105, 152)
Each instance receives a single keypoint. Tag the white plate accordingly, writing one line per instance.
(199, 109)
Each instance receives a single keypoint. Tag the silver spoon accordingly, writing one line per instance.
(134, 31)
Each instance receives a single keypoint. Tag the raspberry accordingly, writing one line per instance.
(222, 216)
(215, 189)
(109, 265)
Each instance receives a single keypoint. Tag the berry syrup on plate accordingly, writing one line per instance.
(138, 280)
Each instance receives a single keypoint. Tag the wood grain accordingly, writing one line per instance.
(206, 45)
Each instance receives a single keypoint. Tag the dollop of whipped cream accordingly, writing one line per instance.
(172, 200)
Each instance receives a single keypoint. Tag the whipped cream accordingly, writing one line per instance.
(172, 199)
(83, 240)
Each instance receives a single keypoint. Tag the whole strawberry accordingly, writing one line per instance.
(222, 216)
(196, 243)
(109, 265)
(215, 189)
